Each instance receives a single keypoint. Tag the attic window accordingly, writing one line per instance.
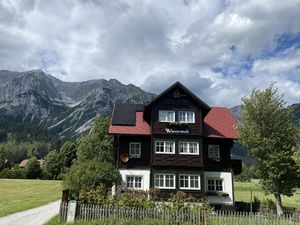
(186, 117)
(166, 116)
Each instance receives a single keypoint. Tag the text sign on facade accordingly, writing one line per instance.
(173, 131)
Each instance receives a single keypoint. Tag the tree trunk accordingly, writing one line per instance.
(278, 204)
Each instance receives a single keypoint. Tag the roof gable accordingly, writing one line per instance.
(176, 88)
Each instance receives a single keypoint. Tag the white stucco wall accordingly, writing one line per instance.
(145, 174)
(227, 187)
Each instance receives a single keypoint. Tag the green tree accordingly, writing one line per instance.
(33, 168)
(246, 174)
(53, 164)
(267, 131)
(297, 155)
(89, 175)
(95, 162)
(98, 144)
(2, 157)
(3, 136)
(68, 154)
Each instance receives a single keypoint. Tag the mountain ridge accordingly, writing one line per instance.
(66, 108)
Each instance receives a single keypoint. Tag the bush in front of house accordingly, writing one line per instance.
(138, 199)
(95, 196)
(88, 175)
(183, 201)
(129, 198)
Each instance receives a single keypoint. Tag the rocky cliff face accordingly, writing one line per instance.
(67, 108)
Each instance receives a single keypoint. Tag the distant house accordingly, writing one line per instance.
(24, 163)
(176, 142)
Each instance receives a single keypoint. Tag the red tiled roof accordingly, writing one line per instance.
(141, 127)
(220, 123)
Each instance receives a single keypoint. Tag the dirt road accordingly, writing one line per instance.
(35, 216)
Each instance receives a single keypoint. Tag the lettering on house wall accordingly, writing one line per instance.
(172, 131)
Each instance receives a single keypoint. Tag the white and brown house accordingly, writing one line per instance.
(176, 142)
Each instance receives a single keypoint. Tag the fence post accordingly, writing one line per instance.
(205, 219)
(71, 211)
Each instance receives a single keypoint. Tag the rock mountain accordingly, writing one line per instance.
(66, 108)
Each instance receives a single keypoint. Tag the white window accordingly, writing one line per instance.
(134, 182)
(166, 116)
(135, 149)
(186, 117)
(213, 151)
(214, 184)
(191, 182)
(191, 148)
(165, 147)
(164, 181)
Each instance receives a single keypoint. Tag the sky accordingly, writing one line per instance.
(219, 49)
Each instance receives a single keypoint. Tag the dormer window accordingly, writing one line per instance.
(186, 117)
(166, 116)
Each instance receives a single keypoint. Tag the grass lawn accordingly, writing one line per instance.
(18, 195)
(242, 193)
(211, 221)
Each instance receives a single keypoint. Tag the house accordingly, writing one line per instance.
(176, 142)
(24, 163)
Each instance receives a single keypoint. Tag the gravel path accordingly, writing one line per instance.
(35, 216)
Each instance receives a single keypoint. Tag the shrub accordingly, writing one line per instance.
(97, 196)
(268, 205)
(246, 206)
(139, 199)
(33, 168)
(182, 201)
(15, 173)
(89, 175)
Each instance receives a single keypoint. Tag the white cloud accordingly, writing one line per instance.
(154, 43)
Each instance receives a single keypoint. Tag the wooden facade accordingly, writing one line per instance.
(184, 168)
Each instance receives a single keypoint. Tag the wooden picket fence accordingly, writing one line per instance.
(178, 217)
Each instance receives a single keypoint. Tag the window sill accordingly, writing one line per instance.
(165, 188)
(189, 154)
(216, 193)
(165, 153)
(134, 157)
(190, 189)
(215, 159)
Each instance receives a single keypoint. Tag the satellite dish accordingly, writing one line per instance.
(124, 157)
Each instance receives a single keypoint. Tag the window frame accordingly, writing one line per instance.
(134, 182)
(186, 116)
(212, 155)
(164, 152)
(134, 155)
(189, 181)
(188, 153)
(166, 111)
(164, 180)
(214, 184)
